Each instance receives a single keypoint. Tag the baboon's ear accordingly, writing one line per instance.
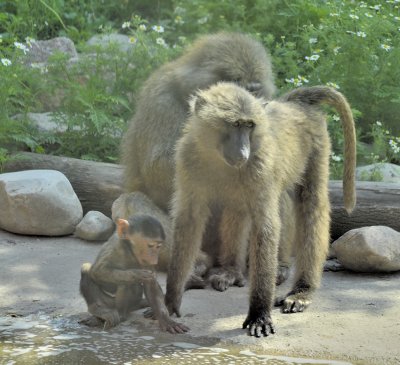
(196, 103)
(122, 228)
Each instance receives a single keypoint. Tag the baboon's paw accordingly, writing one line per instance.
(92, 321)
(259, 325)
(220, 282)
(282, 274)
(111, 319)
(294, 303)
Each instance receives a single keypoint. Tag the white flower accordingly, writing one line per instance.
(22, 47)
(314, 57)
(378, 123)
(142, 27)
(396, 18)
(335, 158)
(158, 28)
(29, 41)
(126, 25)
(160, 41)
(333, 84)
(334, 14)
(353, 16)
(297, 81)
(394, 146)
(313, 40)
(376, 7)
(336, 50)
(386, 47)
(178, 20)
(368, 15)
(361, 34)
(132, 40)
(336, 118)
(363, 4)
(203, 20)
(6, 62)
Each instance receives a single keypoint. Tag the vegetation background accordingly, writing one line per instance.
(353, 46)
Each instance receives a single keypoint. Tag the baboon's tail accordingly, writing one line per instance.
(317, 95)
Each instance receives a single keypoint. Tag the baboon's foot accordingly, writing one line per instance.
(149, 314)
(282, 274)
(92, 321)
(221, 278)
(195, 282)
(297, 300)
(109, 316)
(111, 319)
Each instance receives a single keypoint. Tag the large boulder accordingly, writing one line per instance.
(95, 226)
(369, 249)
(104, 40)
(385, 172)
(38, 202)
(42, 50)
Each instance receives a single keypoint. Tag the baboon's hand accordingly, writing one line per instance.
(146, 275)
(259, 325)
(173, 304)
(167, 324)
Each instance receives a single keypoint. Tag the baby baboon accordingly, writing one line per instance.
(161, 111)
(113, 286)
(238, 157)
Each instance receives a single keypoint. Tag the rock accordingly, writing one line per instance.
(38, 202)
(40, 51)
(385, 172)
(95, 226)
(104, 40)
(369, 249)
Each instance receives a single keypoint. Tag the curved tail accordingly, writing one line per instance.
(316, 95)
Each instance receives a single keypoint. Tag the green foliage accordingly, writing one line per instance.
(353, 46)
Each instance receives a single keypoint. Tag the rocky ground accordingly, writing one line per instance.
(354, 318)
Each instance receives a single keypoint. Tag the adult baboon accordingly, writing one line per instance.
(162, 107)
(237, 157)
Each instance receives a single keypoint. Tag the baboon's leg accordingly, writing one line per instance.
(189, 225)
(99, 304)
(286, 241)
(234, 233)
(263, 264)
(312, 242)
(127, 299)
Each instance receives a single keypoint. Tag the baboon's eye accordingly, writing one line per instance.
(236, 124)
(249, 124)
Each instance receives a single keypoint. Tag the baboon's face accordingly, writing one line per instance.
(235, 142)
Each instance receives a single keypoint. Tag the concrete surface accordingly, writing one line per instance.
(354, 317)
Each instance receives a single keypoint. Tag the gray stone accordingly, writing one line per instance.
(385, 172)
(40, 51)
(95, 226)
(38, 202)
(369, 249)
(104, 40)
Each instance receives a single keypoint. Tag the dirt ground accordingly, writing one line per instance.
(354, 317)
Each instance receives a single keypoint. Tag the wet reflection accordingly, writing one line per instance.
(41, 339)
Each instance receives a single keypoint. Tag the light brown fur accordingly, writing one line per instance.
(162, 107)
(289, 151)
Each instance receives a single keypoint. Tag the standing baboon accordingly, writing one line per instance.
(148, 147)
(161, 111)
(114, 285)
(237, 157)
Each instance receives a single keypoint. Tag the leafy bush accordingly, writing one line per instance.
(352, 46)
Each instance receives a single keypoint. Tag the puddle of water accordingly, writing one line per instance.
(41, 339)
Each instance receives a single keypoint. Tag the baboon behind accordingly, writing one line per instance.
(237, 158)
(162, 107)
